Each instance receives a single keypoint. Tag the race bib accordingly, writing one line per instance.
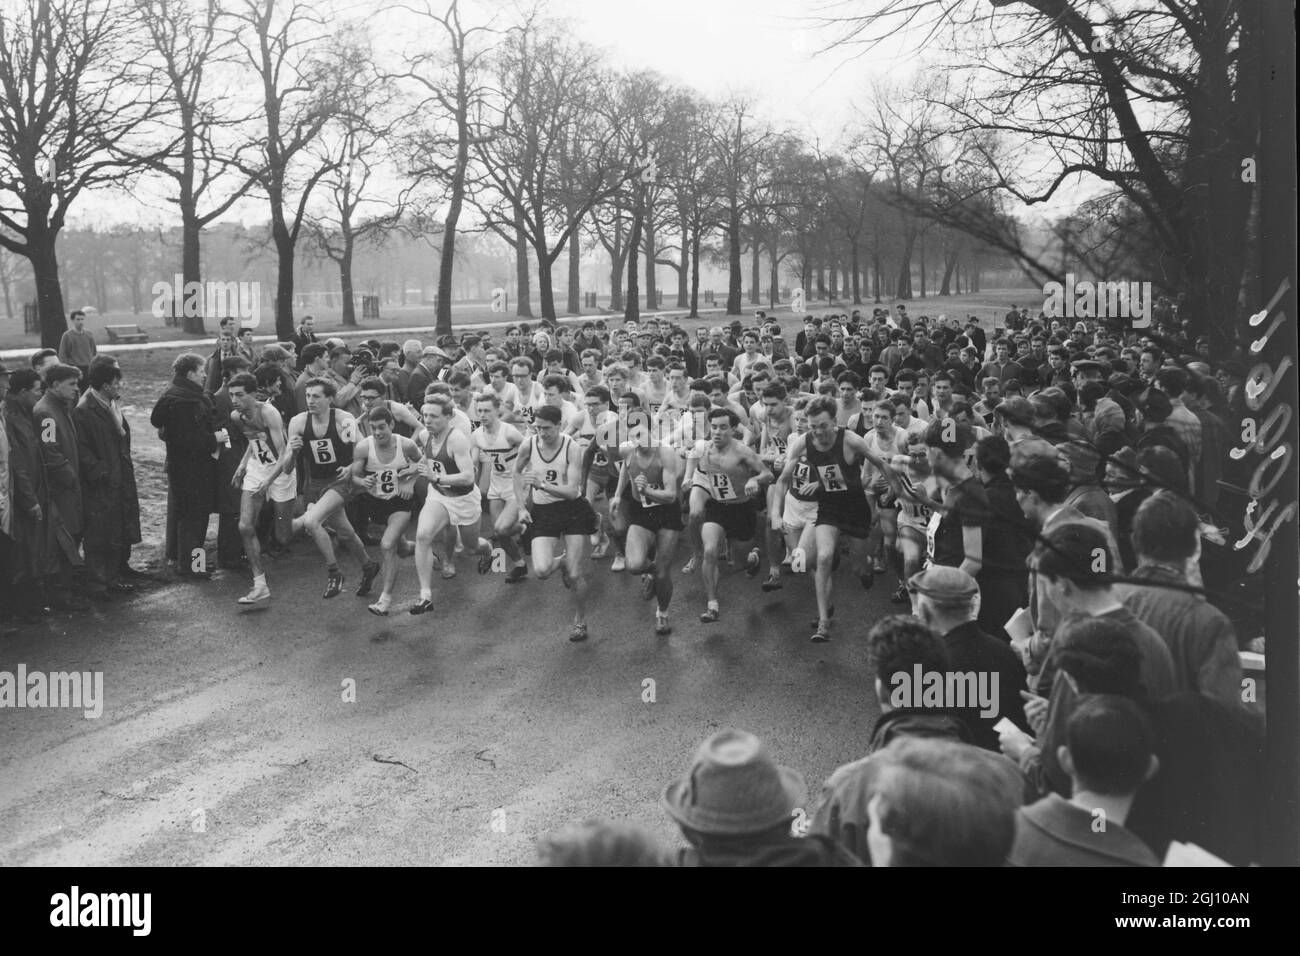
(262, 452)
(498, 463)
(832, 478)
(322, 451)
(723, 489)
(931, 533)
(646, 502)
(600, 460)
(436, 466)
(386, 483)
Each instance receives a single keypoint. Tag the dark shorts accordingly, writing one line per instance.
(852, 518)
(315, 487)
(379, 510)
(739, 521)
(659, 518)
(561, 518)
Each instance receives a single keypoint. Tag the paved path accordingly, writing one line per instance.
(224, 737)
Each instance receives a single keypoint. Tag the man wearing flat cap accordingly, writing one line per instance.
(736, 807)
(432, 360)
(947, 600)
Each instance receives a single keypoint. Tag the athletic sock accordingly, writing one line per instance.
(713, 606)
(259, 580)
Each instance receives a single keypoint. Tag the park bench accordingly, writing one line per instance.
(118, 334)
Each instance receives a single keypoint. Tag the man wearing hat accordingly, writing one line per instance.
(1155, 409)
(736, 807)
(947, 600)
(432, 359)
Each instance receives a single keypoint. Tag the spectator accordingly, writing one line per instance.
(227, 345)
(285, 400)
(1086, 494)
(957, 532)
(595, 843)
(939, 803)
(184, 418)
(432, 360)
(1074, 566)
(1155, 409)
(44, 360)
(736, 807)
(112, 506)
(33, 544)
(304, 337)
(1173, 382)
(1004, 578)
(1002, 367)
(947, 601)
(77, 346)
(895, 645)
(1201, 639)
(52, 419)
(1108, 754)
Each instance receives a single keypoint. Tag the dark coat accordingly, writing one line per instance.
(227, 495)
(972, 650)
(184, 419)
(52, 420)
(34, 545)
(108, 490)
(1054, 832)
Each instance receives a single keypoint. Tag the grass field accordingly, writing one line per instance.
(147, 371)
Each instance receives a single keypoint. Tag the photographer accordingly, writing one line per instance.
(347, 374)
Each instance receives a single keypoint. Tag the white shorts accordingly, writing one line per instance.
(907, 519)
(501, 489)
(797, 514)
(284, 488)
(463, 509)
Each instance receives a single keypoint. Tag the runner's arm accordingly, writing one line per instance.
(359, 477)
(622, 487)
(792, 453)
(458, 445)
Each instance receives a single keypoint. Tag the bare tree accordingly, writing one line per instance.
(299, 81)
(76, 109)
(737, 143)
(187, 41)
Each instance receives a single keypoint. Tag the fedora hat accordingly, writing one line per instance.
(734, 787)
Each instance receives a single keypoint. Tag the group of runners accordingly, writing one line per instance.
(621, 472)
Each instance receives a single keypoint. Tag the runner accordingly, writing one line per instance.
(729, 477)
(258, 475)
(497, 444)
(406, 422)
(323, 437)
(452, 499)
(600, 473)
(887, 441)
(549, 468)
(773, 423)
(385, 466)
(835, 455)
(649, 480)
(799, 509)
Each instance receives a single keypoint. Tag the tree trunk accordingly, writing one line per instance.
(651, 287)
(821, 281)
(695, 274)
(49, 293)
(544, 288)
(904, 288)
(523, 291)
(632, 305)
(682, 276)
(733, 259)
(191, 269)
(949, 267)
(833, 289)
(774, 278)
(345, 281)
(446, 263)
(921, 245)
(284, 280)
(574, 307)
(853, 265)
(755, 271)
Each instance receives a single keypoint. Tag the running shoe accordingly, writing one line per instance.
(773, 583)
(647, 586)
(262, 593)
(710, 615)
(448, 571)
(690, 566)
(900, 595)
(369, 572)
(485, 560)
(753, 563)
(422, 606)
(579, 633)
(822, 634)
(662, 627)
(619, 563)
(381, 607)
(334, 584)
(601, 549)
(516, 574)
